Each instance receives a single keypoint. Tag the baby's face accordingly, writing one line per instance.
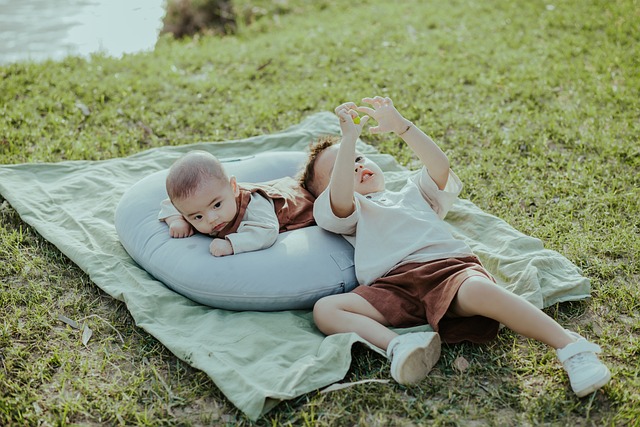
(368, 177)
(212, 206)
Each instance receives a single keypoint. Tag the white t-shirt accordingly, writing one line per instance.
(258, 230)
(391, 228)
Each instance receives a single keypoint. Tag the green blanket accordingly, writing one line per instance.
(256, 359)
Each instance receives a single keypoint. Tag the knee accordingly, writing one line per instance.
(324, 310)
(476, 292)
(474, 288)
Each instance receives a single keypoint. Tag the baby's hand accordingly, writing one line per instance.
(220, 247)
(350, 122)
(383, 111)
(179, 228)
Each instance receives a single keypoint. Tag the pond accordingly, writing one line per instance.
(52, 29)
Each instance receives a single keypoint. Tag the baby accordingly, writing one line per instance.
(412, 271)
(239, 217)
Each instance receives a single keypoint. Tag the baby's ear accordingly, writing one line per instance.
(234, 185)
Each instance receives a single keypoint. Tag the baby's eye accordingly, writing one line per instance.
(217, 205)
(197, 217)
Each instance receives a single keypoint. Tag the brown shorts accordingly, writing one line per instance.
(418, 293)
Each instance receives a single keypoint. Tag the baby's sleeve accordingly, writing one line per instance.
(259, 227)
(326, 219)
(167, 209)
(440, 200)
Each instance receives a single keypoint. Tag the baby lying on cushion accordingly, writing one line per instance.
(241, 217)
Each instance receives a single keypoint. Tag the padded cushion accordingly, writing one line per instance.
(301, 267)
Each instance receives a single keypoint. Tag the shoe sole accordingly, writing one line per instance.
(419, 362)
(584, 391)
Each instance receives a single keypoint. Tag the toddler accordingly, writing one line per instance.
(239, 217)
(411, 270)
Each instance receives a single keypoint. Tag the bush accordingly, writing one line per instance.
(190, 17)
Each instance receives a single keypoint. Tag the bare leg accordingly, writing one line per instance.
(480, 296)
(351, 313)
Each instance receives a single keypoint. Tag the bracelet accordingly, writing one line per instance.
(406, 130)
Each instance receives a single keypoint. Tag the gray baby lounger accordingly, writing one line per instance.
(301, 267)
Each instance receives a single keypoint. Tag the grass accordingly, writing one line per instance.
(536, 104)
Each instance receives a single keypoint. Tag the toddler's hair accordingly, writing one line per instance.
(307, 176)
(188, 171)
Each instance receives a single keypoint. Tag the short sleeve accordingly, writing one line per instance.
(440, 200)
(326, 219)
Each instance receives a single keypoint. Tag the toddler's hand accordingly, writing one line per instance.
(180, 228)
(383, 111)
(220, 247)
(350, 123)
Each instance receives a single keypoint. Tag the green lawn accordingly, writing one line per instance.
(535, 103)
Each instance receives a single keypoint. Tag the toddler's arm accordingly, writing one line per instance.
(258, 230)
(390, 120)
(178, 226)
(341, 184)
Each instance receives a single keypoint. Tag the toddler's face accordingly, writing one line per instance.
(212, 206)
(368, 177)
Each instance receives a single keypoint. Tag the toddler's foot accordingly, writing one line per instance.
(413, 355)
(586, 372)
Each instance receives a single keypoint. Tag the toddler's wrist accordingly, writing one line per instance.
(349, 138)
(172, 219)
(178, 221)
(403, 127)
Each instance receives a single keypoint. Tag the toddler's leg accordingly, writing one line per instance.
(350, 312)
(479, 296)
(412, 355)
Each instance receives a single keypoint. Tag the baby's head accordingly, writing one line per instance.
(368, 177)
(200, 189)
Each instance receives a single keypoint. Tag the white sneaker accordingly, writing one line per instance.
(413, 355)
(586, 372)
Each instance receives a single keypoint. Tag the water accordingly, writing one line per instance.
(52, 29)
